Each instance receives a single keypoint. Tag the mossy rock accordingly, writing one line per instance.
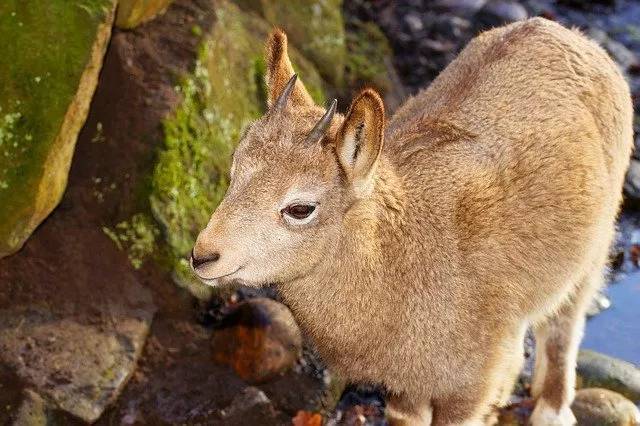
(223, 94)
(368, 50)
(316, 27)
(51, 57)
(132, 13)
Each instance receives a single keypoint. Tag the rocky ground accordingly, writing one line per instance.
(108, 337)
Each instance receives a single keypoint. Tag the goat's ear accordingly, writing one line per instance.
(359, 141)
(280, 71)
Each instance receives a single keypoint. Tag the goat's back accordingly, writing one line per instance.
(516, 155)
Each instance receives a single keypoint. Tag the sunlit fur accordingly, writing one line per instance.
(490, 208)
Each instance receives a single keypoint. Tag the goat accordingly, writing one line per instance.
(416, 251)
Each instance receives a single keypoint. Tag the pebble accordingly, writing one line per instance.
(500, 12)
(250, 407)
(599, 303)
(259, 339)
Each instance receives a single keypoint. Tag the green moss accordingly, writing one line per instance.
(46, 47)
(137, 237)
(132, 13)
(368, 49)
(315, 27)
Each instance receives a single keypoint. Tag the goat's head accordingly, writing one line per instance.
(295, 174)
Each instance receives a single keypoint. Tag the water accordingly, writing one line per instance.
(616, 331)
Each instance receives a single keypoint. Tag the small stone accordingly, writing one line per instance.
(414, 22)
(500, 12)
(632, 180)
(602, 407)
(599, 303)
(306, 418)
(259, 339)
(624, 57)
(251, 406)
(598, 370)
(459, 7)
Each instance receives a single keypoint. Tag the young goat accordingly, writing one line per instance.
(417, 251)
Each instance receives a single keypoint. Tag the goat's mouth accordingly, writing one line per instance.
(215, 281)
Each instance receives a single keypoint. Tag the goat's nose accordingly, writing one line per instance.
(199, 261)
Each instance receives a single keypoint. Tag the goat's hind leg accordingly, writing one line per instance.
(557, 342)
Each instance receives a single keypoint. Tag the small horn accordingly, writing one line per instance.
(281, 102)
(321, 126)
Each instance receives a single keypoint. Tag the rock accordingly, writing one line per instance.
(315, 27)
(459, 7)
(251, 407)
(599, 303)
(11, 395)
(44, 99)
(132, 13)
(79, 367)
(370, 62)
(414, 22)
(33, 411)
(599, 370)
(259, 339)
(453, 29)
(632, 180)
(602, 407)
(224, 93)
(305, 418)
(500, 12)
(359, 405)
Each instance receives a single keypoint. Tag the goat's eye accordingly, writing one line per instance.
(299, 211)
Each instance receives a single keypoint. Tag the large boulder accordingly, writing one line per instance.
(224, 93)
(51, 57)
(79, 367)
(132, 13)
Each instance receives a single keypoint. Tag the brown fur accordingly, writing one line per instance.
(489, 207)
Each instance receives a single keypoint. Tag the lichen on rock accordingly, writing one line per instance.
(224, 93)
(49, 71)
